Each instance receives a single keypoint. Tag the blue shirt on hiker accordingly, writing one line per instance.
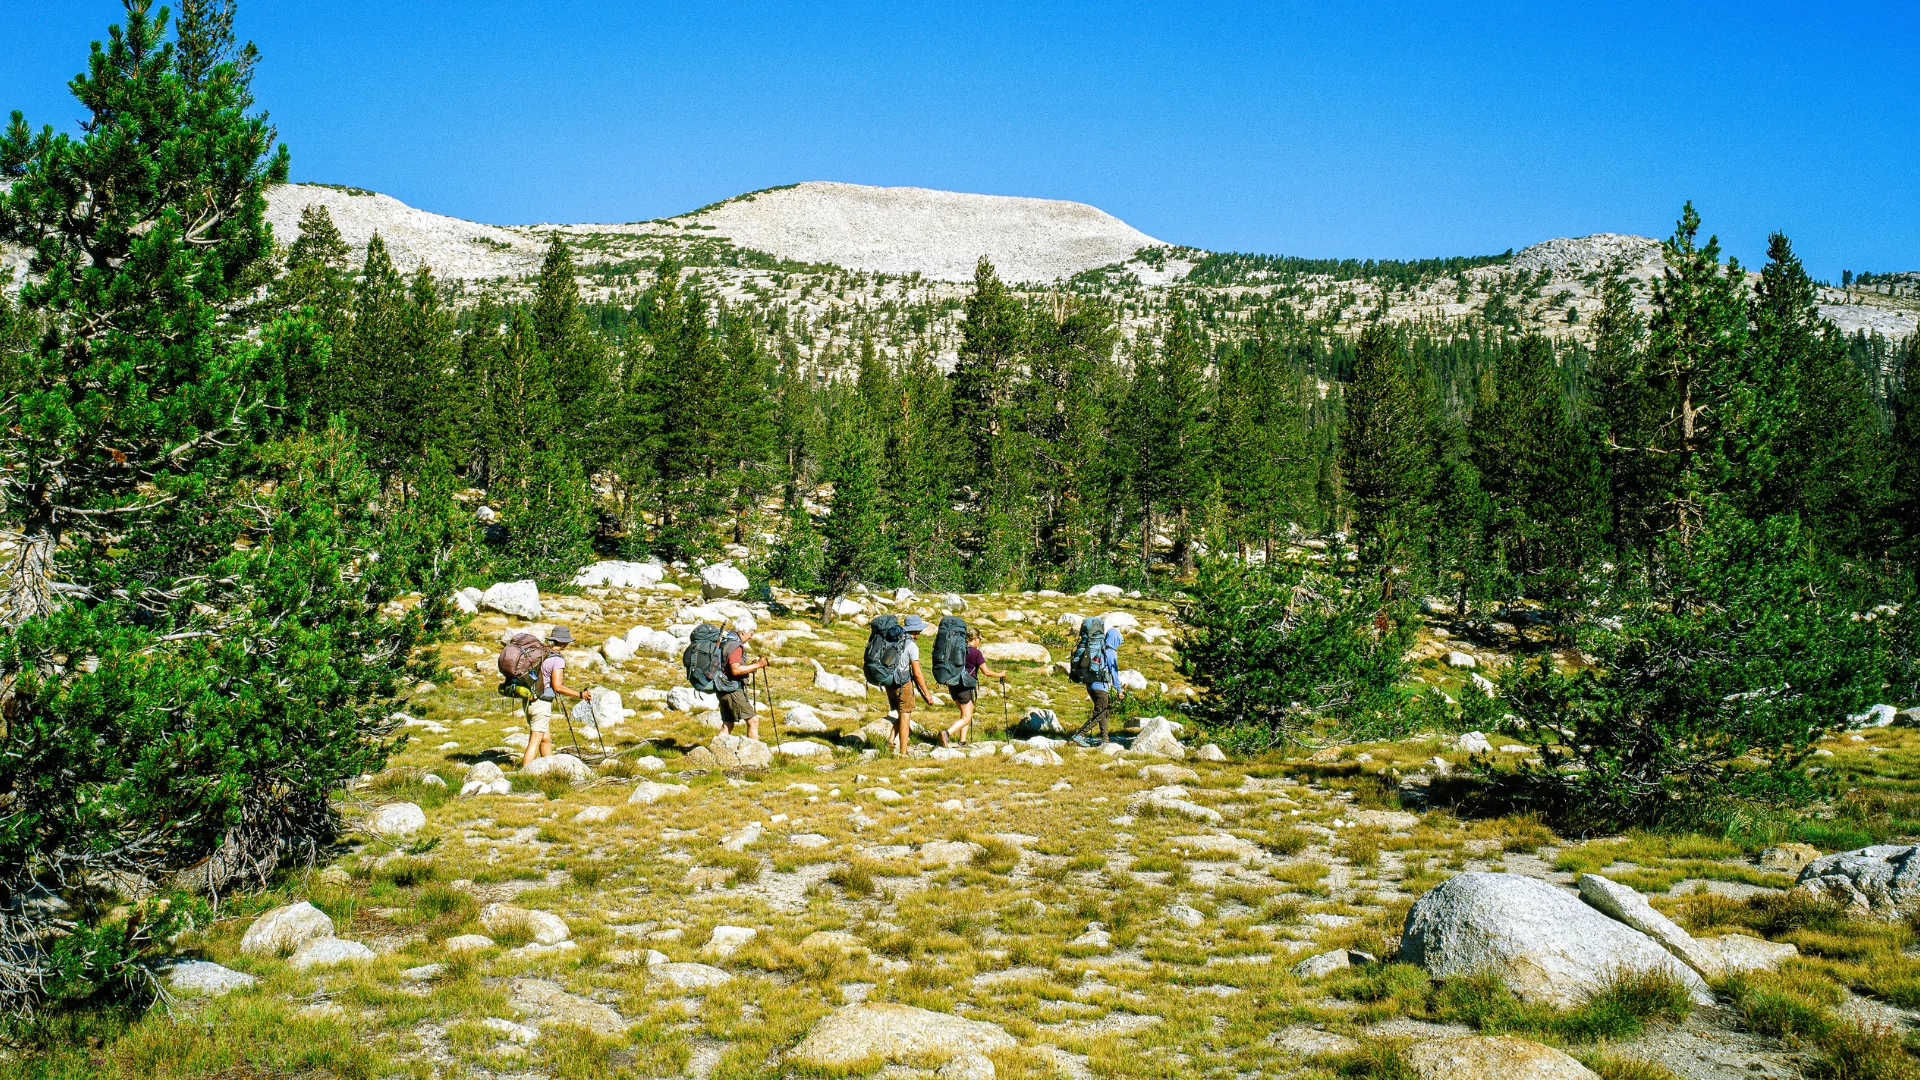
(1110, 663)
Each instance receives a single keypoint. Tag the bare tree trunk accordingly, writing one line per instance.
(30, 579)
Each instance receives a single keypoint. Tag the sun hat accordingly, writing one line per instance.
(560, 635)
(915, 625)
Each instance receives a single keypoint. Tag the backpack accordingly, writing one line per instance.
(950, 654)
(1088, 664)
(520, 662)
(886, 646)
(702, 660)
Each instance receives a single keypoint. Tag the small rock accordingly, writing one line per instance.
(802, 720)
(887, 795)
(1458, 659)
(1169, 774)
(564, 765)
(205, 977)
(831, 939)
(593, 814)
(1186, 916)
(1157, 739)
(1038, 757)
(1882, 880)
(424, 973)
(856, 1035)
(1735, 953)
(688, 976)
(327, 951)
(648, 792)
(1025, 652)
(545, 927)
(507, 1029)
(554, 1004)
(723, 580)
(803, 749)
(467, 943)
(1210, 752)
(808, 840)
(734, 752)
(1788, 858)
(395, 820)
(1474, 742)
(727, 940)
(1096, 937)
(520, 599)
(285, 929)
(1482, 1057)
(1321, 965)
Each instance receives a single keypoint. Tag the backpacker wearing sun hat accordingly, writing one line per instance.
(519, 662)
(886, 646)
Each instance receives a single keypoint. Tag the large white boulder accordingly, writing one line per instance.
(723, 580)
(285, 929)
(545, 927)
(468, 600)
(396, 820)
(1882, 880)
(615, 574)
(1103, 592)
(856, 1035)
(1121, 620)
(521, 599)
(727, 940)
(575, 770)
(616, 650)
(1546, 944)
(838, 685)
(803, 748)
(1132, 680)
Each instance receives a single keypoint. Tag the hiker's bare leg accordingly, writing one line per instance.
(965, 726)
(753, 727)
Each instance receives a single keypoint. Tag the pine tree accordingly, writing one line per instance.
(1263, 460)
(577, 360)
(1628, 415)
(219, 577)
(855, 532)
(1536, 463)
(991, 345)
(391, 375)
(1386, 457)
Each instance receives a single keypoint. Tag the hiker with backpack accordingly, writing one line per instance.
(717, 664)
(533, 671)
(1096, 663)
(958, 663)
(893, 663)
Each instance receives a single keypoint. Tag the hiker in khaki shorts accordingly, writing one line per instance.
(539, 706)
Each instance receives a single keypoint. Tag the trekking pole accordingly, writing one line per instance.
(766, 694)
(597, 737)
(1006, 714)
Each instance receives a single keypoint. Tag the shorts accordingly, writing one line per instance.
(539, 716)
(736, 707)
(900, 699)
(963, 695)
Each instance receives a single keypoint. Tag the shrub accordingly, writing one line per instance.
(1279, 649)
(1721, 695)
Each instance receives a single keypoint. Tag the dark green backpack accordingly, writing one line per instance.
(886, 645)
(1089, 661)
(950, 654)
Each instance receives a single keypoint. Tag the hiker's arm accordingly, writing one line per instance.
(740, 670)
(560, 685)
(920, 680)
(990, 673)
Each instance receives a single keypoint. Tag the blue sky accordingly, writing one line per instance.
(1324, 129)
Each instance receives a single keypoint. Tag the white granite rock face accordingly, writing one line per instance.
(521, 599)
(1882, 880)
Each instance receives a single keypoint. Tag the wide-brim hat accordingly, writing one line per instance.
(560, 635)
(915, 625)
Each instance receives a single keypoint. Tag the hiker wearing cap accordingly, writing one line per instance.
(963, 696)
(550, 682)
(736, 705)
(900, 698)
